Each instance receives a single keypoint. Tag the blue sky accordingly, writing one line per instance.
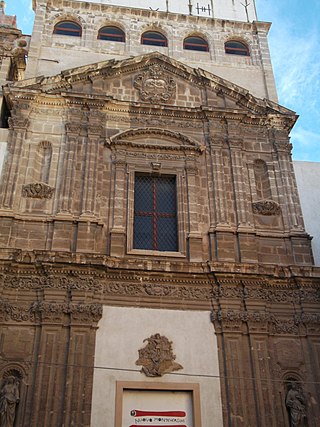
(294, 43)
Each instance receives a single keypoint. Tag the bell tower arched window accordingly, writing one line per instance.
(195, 43)
(68, 28)
(153, 38)
(235, 47)
(111, 33)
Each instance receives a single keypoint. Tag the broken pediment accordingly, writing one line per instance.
(152, 81)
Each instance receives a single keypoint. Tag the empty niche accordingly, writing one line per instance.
(261, 176)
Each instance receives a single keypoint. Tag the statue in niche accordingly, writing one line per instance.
(9, 398)
(296, 405)
(157, 357)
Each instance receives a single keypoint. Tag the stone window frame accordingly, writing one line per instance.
(141, 151)
(181, 196)
(157, 213)
(200, 37)
(121, 32)
(242, 42)
(193, 388)
(68, 21)
(165, 38)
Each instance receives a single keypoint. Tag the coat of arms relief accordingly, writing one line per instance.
(154, 85)
(157, 357)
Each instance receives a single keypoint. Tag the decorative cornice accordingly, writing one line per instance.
(276, 324)
(43, 311)
(79, 312)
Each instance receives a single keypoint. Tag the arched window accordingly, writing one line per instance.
(236, 48)
(195, 43)
(111, 33)
(153, 38)
(68, 28)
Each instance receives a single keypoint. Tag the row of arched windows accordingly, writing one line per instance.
(151, 38)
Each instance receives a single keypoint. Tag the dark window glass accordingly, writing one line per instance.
(154, 39)
(67, 28)
(195, 43)
(155, 213)
(113, 34)
(236, 48)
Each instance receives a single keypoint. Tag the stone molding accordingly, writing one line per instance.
(198, 289)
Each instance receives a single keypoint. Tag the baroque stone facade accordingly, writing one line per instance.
(77, 141)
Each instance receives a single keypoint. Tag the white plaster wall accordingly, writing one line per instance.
(308, 181)
(119, 337)
(224, 9)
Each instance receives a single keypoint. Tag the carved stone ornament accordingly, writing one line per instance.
(37, 190)
(266, 207)
(154, 85)
(157, 357)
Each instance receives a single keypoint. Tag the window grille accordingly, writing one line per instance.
(68, 28)
(154, 38)
(114, 34)
(236, 48)
(195, 43)
(155, 213)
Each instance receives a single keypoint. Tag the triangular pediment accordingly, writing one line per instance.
(153, 80)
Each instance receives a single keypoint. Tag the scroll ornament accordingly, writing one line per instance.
(266, 207)
(37, 190)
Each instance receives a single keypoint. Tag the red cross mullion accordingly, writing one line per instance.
(155, 216)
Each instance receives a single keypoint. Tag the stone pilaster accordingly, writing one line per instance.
(118, 228)
(18, 126)
(194, 235)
